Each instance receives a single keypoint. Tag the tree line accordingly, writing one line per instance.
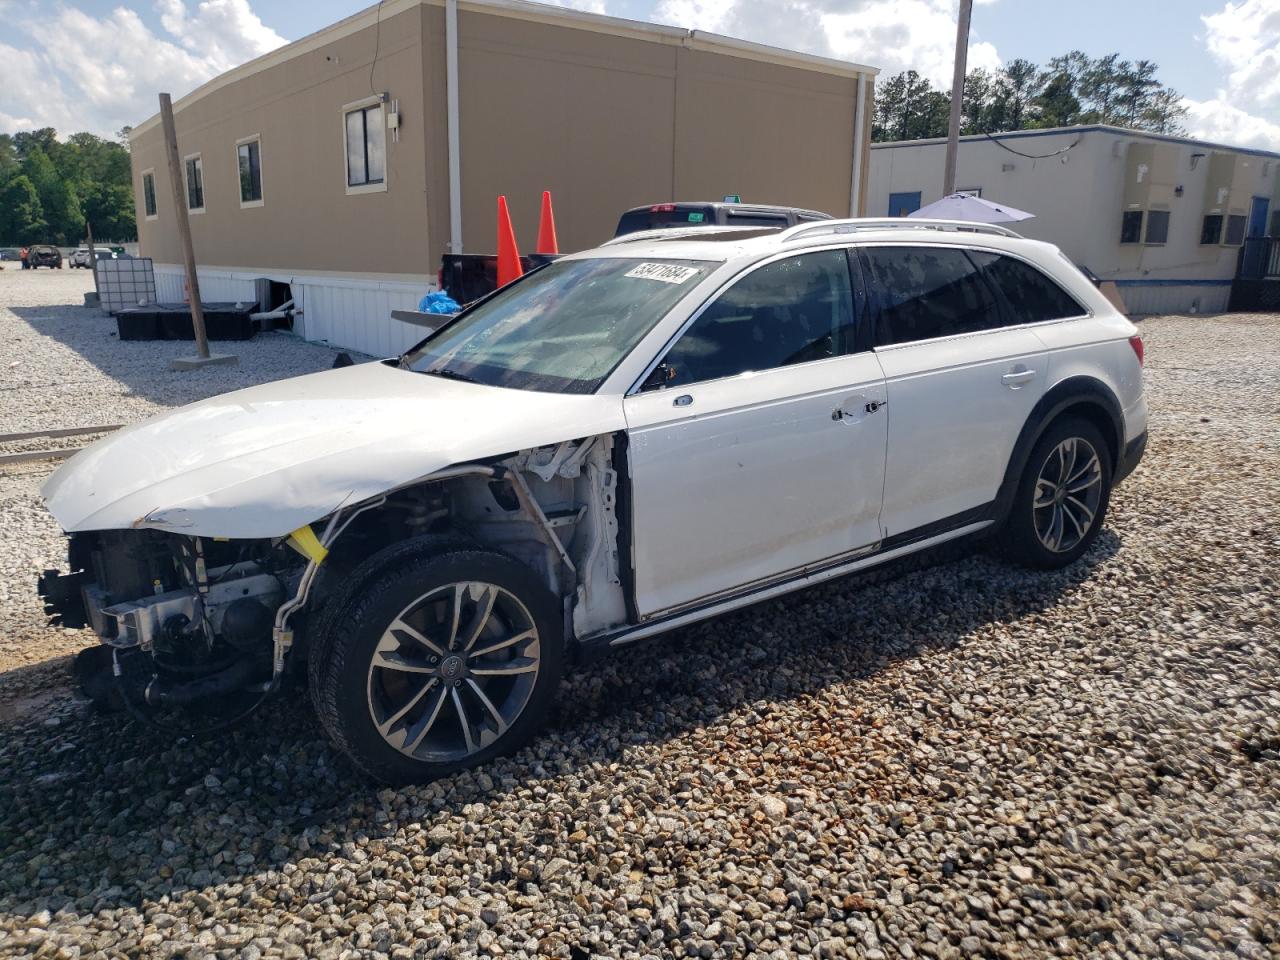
(1072, 89)
(50, 188)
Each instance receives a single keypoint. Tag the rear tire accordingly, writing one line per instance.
(1062, 497)
(435, 658)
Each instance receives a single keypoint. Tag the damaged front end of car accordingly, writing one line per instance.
(182, 619)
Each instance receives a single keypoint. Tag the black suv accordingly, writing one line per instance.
(43, 255)
(705, 214)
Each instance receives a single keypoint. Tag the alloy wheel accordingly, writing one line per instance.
(453, 671)
(1068, 493)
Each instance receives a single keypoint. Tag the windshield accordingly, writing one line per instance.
(562, 329)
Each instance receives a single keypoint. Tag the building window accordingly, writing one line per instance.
(1211, 231)
(1235, 230)
(1131, 227)
(1158, 227)
(366, 143)
(195, 183)
(149, 194)
(249, 163)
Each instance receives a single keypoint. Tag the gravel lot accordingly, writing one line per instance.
(963, 760)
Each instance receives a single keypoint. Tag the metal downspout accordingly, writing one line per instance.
(855, 186)
(455, 147)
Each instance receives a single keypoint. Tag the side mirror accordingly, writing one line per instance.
(659, 377)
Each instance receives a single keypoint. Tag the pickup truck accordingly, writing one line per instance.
(467, 277)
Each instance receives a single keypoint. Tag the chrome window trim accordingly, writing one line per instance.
(1088, 315)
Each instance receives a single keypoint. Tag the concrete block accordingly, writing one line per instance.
(195, 363)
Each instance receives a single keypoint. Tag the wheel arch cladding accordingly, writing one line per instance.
(1084, 397)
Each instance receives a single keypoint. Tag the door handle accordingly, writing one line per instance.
(853, 409)
(1018, 378)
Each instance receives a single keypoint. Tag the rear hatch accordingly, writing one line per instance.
(665, 215)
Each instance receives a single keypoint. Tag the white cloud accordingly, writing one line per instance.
(1244, 38)
(894, 35)
(1223, 122)
(80, 72)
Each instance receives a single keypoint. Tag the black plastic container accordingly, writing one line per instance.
(172, 321)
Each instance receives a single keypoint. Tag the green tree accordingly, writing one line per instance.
(1057, 105)
(109, 209)
(1100, 87)
(1022, 84)
(1138, 85)
(1164, 113)
(8, 157)
(21, 218)
(976, 101)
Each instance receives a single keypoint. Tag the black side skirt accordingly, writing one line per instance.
(593, 648)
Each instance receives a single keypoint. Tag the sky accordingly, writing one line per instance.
(97, 65)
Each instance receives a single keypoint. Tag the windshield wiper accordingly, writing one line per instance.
(451, 375)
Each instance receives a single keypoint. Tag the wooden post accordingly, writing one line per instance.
(184, 236)
(957, 97)
(93, 257)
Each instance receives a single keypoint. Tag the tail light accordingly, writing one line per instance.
(1136, 342)
(662, 208)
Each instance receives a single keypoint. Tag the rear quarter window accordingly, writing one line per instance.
(1031, 295)
(928, 292)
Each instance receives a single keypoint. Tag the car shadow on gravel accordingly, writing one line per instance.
(102, 812)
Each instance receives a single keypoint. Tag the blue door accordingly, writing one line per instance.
(900, 204)
(1258, 217)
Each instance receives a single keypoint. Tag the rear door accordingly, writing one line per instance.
(764, 453)
(961, 378)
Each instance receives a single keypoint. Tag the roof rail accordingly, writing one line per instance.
(893, 223)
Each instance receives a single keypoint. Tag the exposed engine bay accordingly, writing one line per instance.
(187, 620)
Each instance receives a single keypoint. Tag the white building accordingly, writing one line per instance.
(1164, 217)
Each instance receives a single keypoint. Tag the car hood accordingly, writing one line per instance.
(261, 462)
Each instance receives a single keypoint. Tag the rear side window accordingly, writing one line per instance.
(1031, 296)
(927, 292)
(787, 312)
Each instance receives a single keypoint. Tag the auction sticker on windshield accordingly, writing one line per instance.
(664, 272)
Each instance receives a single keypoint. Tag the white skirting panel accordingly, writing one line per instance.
(348, 312)
(1161, 298)
(357, 314)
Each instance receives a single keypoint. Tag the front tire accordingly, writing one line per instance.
(435, 659)
(1061, 498)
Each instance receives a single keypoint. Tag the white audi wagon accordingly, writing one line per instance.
(626, 440)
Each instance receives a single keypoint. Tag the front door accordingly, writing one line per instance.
(1258, 217)
(764, 453)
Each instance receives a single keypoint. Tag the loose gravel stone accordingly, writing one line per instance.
(958, 759)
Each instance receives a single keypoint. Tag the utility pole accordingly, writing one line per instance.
(203, 357)
(957, 97)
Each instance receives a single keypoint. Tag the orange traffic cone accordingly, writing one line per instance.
(508, 255)
(547, 227)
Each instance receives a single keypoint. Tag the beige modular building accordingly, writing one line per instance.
(347, 163)
(1164, 217)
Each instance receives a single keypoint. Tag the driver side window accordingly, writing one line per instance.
(790, 311)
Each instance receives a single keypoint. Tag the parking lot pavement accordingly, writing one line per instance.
(965, 759)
